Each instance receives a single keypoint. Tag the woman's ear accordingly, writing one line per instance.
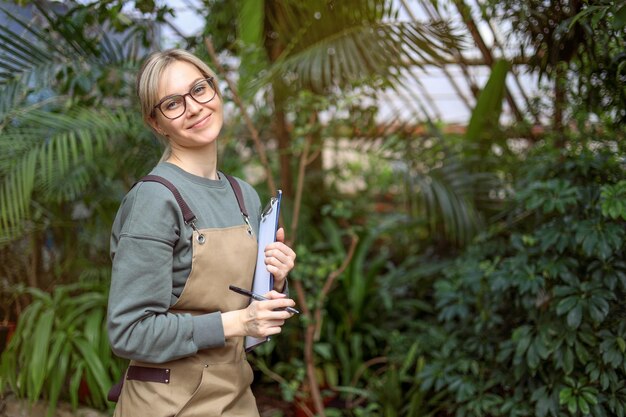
(155, 126)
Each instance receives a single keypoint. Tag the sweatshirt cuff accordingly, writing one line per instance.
(208, 331)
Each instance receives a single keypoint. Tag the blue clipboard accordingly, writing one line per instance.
(263, 280)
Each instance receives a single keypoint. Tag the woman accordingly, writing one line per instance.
(181, 236)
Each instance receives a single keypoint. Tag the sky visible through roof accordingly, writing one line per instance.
(439, 100)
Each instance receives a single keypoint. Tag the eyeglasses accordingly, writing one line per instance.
(175, 106)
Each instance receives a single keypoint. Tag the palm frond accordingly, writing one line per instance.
(444, 197)
(38, 59)
(444, 189)
(27, 51)
(51, 154)
(15, 193)
(339, 44)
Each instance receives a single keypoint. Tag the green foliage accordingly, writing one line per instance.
(323, 45)
(527, 322)
(69, 145)
(54, 158)
(486, 115)
(586, 37)
(60, 343)
(613, 200)
(530, 319)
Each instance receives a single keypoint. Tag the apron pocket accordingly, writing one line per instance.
(189, 405)
(159, 392)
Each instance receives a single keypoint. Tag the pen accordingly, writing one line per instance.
(258, 297)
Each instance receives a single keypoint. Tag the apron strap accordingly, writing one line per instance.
(188, 215)
(237, 189)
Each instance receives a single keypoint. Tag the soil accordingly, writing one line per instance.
(13, 407)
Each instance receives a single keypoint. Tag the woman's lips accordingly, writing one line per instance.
(201, 123)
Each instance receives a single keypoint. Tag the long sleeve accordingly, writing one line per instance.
(139, 324)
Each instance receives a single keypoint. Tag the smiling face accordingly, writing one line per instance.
(200, 125)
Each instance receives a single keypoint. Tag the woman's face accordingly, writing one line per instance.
(200, 124)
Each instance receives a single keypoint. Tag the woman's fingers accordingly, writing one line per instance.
(265, 318)
(279, 259)
(280, 235)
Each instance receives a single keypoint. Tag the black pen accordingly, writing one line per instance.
(258, 297)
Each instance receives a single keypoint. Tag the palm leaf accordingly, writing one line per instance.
(336, 44)
(58, 149)
(41, 58)
(30, 55)
(486, 114)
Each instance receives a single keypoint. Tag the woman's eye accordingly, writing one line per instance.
(199, 89)
(172, 104)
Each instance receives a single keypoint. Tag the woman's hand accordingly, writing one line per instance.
(260, 318)
(279, 259)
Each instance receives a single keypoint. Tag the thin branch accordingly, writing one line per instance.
(330, 280)
(313, 156)
(267, 371)
(300, 185)
(306, 312)
(313, 326)
(350, 402)
(305, 408)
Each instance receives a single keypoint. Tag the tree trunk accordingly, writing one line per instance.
(284, 147)
(559, 103)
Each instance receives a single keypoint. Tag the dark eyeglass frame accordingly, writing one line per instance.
(158, 105)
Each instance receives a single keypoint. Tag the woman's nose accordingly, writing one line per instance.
(192, 105)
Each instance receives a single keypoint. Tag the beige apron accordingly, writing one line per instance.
(213, 382)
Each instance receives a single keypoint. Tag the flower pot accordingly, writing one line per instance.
(6, 332)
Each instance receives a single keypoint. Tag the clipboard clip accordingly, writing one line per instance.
(269, 207)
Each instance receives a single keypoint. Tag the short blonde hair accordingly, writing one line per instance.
(148, 82)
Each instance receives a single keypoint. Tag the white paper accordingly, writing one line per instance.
(263, 280)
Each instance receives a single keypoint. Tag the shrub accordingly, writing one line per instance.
(60, 348)
(530, 320)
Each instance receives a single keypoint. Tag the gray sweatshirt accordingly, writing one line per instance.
(151, 250)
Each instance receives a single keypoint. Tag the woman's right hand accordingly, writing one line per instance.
(260, 318)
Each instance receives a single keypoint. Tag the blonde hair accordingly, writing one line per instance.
(148, 83)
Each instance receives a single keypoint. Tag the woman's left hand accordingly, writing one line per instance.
(280, 259)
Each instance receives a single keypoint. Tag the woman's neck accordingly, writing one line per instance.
(199, 163)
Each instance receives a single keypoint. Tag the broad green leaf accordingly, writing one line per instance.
(78, 369)
(532, 357)
(575, 315)
(41, 342)
(589, 396)
(94, 365)
(598, 308)
(565, 395)
(58, 378)
(488, 108)
(568, 360)
(583, 405)
(619, 17)
(572, 405)
(566, 304)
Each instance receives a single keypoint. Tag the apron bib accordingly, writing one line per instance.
(213, 382)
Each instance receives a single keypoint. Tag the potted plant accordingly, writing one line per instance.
(10, 304)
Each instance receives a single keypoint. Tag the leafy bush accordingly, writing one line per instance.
(60, 348)
(530, 320)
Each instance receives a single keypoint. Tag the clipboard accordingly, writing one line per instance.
(263, 280)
